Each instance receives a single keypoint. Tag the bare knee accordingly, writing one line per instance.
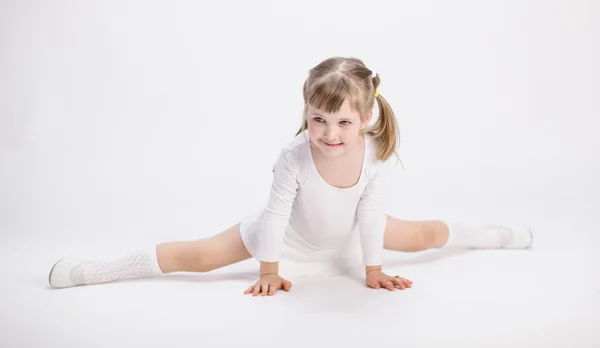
(410, 236)
(421, 238)
(203, 256)
(424, 237)
(191, 256)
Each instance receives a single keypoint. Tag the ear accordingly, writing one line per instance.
(367, 118)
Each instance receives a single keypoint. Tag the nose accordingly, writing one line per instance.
(331, 133)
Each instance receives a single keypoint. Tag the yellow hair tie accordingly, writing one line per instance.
(376, 93)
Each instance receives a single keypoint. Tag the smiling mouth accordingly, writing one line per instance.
(332, 145)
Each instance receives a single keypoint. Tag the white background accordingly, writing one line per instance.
(128, 123)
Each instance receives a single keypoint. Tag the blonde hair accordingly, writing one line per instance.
(336, 79)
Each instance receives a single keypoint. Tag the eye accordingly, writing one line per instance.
(345, 124)
(318, 119)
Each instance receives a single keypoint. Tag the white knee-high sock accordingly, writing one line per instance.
(487, 237)
(142, 263)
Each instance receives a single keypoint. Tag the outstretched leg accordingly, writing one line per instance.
(412, 236)
(201, 255)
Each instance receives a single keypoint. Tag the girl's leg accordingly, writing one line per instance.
(201, 255)
(412, 236)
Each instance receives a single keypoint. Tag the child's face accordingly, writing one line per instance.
(335, 133)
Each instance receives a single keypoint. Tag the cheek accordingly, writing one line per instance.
(351, 134)
(314, 128)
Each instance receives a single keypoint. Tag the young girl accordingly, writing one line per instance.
(324, 214)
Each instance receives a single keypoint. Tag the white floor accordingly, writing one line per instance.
(548, 296)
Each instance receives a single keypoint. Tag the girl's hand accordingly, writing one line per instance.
(377, 279)
(268, 284)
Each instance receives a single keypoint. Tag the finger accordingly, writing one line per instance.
(287, 285)
(272, 288)
(249, 290)
(407, 283)
(256, 290)
(373, 283)
(400, 283)
(265, 289)
(389, 285)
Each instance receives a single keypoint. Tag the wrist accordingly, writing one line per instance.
(369, 269)
(269, 268)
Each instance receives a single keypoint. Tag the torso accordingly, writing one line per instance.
(324, 211)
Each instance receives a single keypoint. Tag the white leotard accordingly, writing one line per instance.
(305, 214)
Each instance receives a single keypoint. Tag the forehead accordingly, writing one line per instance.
(344, 112)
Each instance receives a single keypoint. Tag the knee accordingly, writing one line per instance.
(199, 259)
(423, 237)
(193, 257)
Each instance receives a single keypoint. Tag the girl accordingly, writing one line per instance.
(324, 213)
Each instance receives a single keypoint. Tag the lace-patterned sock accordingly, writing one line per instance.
(142, 263)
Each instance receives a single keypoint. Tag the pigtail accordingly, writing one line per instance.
(385, 130)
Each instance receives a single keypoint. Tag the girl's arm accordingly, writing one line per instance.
(372, 220)
(277, 214)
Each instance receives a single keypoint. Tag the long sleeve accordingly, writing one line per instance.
(279, 208)
(372, 219)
